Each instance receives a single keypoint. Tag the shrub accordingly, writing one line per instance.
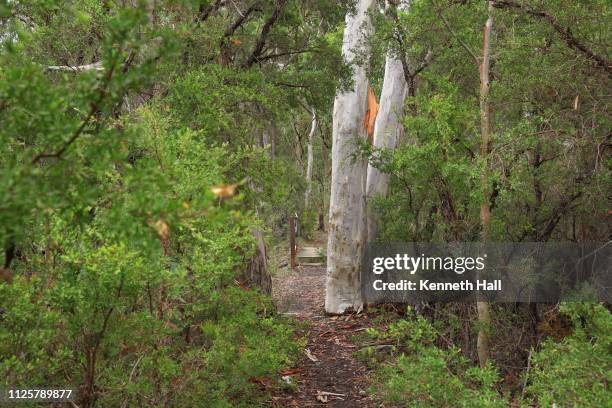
(424, 375)
(576, 371)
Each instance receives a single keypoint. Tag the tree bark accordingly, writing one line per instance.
(387, 130)
(292, 245)
(224, 56)
(347, 199)
(257, 273)
(483, 308)
(268, 140)
(310, 162)
(261, 40)
(273, 135)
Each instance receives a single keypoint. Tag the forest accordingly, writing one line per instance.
(188, 189)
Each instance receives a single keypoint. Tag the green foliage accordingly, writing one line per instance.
(576, 371)
(445, 128)
(424, 375)
(149, 318)
(127, 269)
(308, 223)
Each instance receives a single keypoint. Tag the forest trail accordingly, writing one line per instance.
(328, 373)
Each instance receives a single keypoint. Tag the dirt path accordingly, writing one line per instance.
(301, 294)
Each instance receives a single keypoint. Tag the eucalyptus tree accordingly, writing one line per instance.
(389, 123)
(347, 230)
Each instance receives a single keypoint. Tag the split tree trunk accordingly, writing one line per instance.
(387, 131)
(347, 200)
(310, 154)
(484, 312)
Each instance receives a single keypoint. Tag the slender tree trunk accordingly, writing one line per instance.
(273, 135)
(292, 246)
(386, 131)
(322, 181)
(347, 199)
(313, 130)
(265, 141)
(484, 312)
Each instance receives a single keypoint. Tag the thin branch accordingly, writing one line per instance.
(424, 63)
(454, 35)
(288, 85)
(564, 32)
(237, 8)
(92, 111)
(283, 54)
(95, 66)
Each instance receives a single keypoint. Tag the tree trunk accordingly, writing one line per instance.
(313, 130)
(484, 313)
(265, 142)
(347, 200)
(257, 273)
(386, 131)
(292, 245)
(273, 135)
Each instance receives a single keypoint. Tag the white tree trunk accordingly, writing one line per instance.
(347, 200)
(313, 130)
(387, 131)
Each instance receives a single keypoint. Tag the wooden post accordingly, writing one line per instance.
(292, 245)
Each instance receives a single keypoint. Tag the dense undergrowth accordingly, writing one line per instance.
(132, 296)
(428, 365)
(129, 193)
(126, 269)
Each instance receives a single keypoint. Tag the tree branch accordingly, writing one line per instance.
(95, 66)
(206, 11)
(283, 54)
(424, 63)
(288, 85)
(455, 36)
(261, 40)
(564, 32)
(92, 111)
(225, 57)
(240, 20)
(558, 212)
